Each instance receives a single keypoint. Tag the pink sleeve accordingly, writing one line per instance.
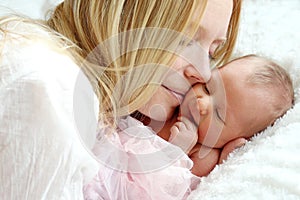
(137, 164)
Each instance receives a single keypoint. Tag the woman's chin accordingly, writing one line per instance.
(162, 111)
(161, 117)
(158, 114)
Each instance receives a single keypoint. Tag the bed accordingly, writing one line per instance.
(268, 166)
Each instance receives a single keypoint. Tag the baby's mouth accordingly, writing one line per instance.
(194, 111)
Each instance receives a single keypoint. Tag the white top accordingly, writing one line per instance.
(42, 114)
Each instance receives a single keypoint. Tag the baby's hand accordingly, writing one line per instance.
(184, 134)
(230, 147)
(204, 158)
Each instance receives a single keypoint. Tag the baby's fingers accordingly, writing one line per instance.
(180, 125)
(174, 132)
(177, 138)
(189, 125)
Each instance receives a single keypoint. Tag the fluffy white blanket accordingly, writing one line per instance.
(268, 166)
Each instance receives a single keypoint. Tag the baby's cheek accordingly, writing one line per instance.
(209, 134)
(202, 131)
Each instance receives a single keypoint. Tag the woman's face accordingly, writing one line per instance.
(193, 65)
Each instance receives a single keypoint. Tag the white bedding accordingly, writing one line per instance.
(267, 167)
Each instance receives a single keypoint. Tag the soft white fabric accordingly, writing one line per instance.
(267, 167)
(42, 155)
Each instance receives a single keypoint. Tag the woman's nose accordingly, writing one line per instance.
(198, 69)
(195, 76)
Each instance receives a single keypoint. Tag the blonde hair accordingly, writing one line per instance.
(98, 27)
(223, 53)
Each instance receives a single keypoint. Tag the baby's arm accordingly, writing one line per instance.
(204, 159)
(184, 134)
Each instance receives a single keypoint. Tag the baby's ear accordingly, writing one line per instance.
(230, 147)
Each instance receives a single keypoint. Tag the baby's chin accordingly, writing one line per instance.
(208, 141)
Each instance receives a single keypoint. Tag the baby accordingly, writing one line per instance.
(242, 98)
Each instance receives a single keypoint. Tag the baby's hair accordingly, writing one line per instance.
(274, 77)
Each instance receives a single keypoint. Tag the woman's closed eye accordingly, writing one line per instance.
(211, 57)
(186, 42)
(215, 46)
(205, 89)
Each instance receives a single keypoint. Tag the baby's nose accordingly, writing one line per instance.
(202, 106)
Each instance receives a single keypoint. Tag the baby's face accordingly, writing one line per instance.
(226, 108)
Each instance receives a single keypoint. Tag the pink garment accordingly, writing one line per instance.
(137, 164)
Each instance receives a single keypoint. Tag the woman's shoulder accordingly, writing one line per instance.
(29, 48)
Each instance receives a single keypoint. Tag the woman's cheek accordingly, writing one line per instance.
(160, 107)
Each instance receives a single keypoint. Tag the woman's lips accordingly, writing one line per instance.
(177, 95)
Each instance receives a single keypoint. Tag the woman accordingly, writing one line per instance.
(131, 35)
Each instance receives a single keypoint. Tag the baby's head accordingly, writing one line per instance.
(242, 98)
